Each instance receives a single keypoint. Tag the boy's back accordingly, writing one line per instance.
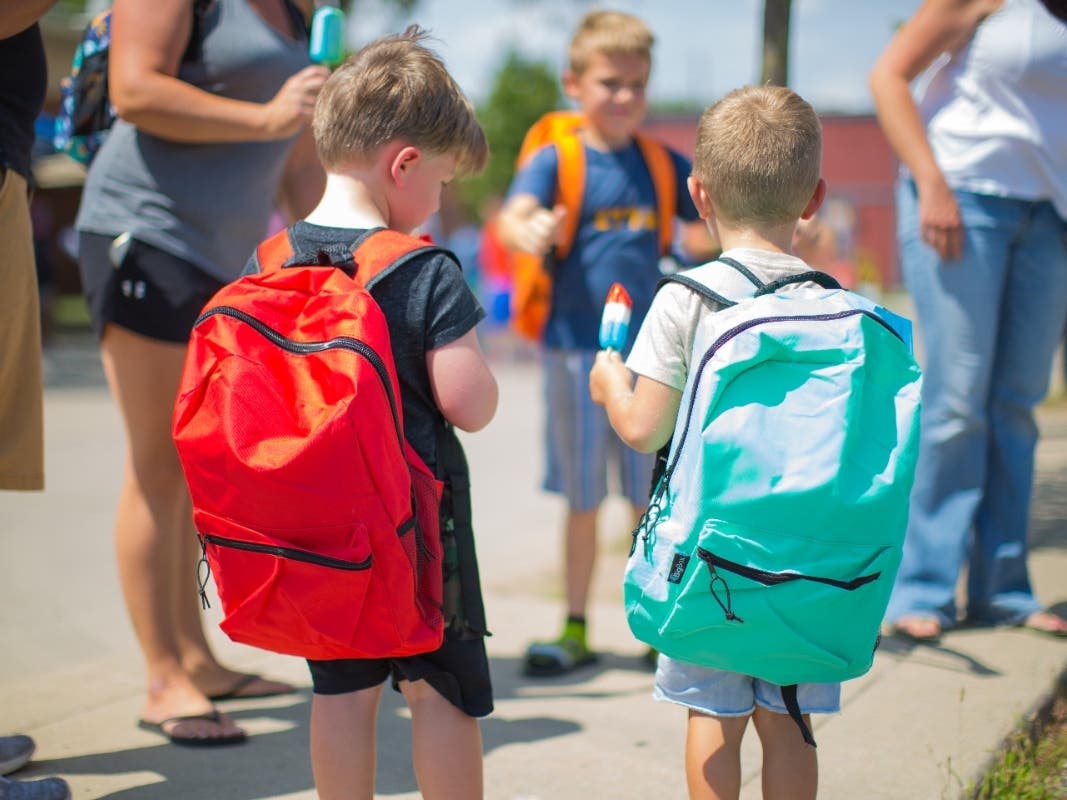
(755, 174)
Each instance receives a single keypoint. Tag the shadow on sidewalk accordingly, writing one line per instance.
(276, 763)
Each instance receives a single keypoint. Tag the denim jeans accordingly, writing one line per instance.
(989, 325)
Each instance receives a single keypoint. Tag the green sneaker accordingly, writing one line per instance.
(548, 659)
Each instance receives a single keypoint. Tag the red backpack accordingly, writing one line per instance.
(317, 519)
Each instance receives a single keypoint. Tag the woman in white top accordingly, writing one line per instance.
(982, 200)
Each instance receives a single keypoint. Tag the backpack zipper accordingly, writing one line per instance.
(309, 348)
(735, 331)
(291, 553)
(766, 577)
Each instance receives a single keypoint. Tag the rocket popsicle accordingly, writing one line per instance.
(327, 40)
(615, 323)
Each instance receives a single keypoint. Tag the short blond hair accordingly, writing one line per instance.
(611, 33)
(759, 155)
(396, 88)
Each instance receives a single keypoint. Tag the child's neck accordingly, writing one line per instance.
(597, 141)
(778, 239)
(349, 202)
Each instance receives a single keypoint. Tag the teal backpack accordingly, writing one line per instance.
(774, 531)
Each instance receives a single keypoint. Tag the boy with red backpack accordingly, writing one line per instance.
(391, 128)
(630, 192)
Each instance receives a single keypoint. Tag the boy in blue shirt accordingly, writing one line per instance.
(616, 241)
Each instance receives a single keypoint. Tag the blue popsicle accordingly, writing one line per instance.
(327, 45)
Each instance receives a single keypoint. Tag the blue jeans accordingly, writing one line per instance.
(989, 324)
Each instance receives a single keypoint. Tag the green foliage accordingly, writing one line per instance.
(522, 91)
(1034, 766)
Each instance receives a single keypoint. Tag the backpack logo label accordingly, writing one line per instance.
(678, 567)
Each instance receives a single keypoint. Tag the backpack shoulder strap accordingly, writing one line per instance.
(272, 253)
(570, 186)
(382, 250)
(724, 281)
(811, 276)
(664, 179)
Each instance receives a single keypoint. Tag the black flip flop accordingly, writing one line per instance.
(235, 691)
(192, 741)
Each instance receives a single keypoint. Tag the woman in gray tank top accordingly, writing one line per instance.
(175, 201)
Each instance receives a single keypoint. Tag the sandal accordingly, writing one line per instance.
(175, 736)
(1046, 623)
(919, 629)
(252, 685)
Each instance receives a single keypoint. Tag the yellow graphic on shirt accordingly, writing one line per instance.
(626, 218)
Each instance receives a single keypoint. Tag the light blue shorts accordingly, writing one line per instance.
(730, 694)
(582, 451)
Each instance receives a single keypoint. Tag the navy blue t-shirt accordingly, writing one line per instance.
(617, 238)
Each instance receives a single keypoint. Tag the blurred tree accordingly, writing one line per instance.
(775, 63)
(523, 89)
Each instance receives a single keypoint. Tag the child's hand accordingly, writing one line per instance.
(609, 378)
(540, 230)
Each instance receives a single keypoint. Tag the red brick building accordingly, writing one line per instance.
(860, 169)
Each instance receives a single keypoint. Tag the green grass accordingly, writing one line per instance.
(1033, 765)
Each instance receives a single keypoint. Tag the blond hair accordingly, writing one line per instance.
(759, 155)
(611, 33)
(396, 88)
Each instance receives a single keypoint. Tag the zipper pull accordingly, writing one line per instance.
(203, 572)
(727, 608)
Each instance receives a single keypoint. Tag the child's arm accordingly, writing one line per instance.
(642, 414)
(463, 387)
(524, 224)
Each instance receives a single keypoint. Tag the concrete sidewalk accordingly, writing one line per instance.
(921, 724)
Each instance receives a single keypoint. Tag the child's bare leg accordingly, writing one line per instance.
(446, 745)
(343, 743)
(713, 756)
(580, 559)
(790, 765)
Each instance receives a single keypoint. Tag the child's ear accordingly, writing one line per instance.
(569, 81)
(403, 162)
(700, 197)
(816, 200)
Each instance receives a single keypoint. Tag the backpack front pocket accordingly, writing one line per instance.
(802, 609)
(283, 598)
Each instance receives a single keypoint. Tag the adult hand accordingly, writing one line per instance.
(291, 108)
(939, 220)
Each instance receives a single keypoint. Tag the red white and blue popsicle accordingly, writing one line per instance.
(615, 323)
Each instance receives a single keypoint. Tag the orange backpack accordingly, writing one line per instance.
(531, 293)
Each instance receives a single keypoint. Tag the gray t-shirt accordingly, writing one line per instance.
(206, 203)
(665, 342)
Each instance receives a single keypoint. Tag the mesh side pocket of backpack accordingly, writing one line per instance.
(423, 548)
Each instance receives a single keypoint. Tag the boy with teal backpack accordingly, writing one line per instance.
(764, 563)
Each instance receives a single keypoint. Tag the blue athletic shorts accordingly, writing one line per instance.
(582, 452)
(730, 694)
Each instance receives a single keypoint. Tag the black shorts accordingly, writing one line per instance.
(142, 288)
(458, 670)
